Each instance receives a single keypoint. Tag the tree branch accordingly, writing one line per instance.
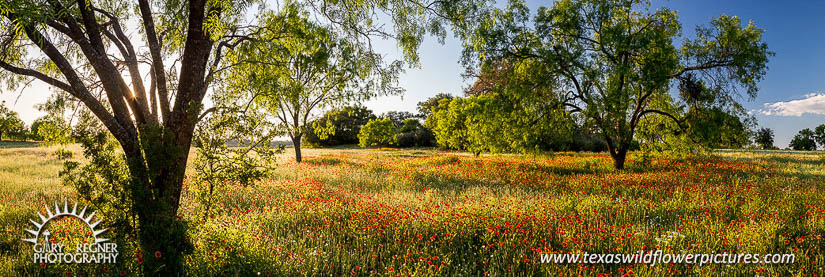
(78, 88)
(157, 58)
(678, 122)
(126, 47)
(36, 74)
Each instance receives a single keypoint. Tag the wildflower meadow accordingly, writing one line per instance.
(395, 212)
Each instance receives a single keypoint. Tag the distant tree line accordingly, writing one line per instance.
(805, 140)
(358, 125)
(472, 123)
(63, 122)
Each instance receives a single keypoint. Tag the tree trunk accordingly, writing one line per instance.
(619, 157)
(618, 162)
(618, 151)
(157, 171)
(296, 143)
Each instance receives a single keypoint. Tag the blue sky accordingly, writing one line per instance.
(794, 30)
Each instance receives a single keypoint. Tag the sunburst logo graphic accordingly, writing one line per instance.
(58, 213)
(100, 250)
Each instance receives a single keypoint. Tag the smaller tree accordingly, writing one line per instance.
(804, 140)
(819, 135)
(10, 124)
(297, 67)
(379, 132)
(764, 138)
(53, 133)
(233, 147)
(50, 130)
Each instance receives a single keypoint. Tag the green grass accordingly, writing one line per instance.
(423, 212)
(28, 180)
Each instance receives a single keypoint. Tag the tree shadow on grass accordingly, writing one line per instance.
(18, 144)
(325, 161)
(455, 185)
(783, 160)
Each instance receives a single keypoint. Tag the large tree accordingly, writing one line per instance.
(296, 67)
(614, 62)
(146, 81)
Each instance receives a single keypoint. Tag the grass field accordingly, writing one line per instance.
(422, 212)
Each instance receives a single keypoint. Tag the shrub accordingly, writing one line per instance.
(103, 182)
(51, 131)
(63, 154)
(379, 132)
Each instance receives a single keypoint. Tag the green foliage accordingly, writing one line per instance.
(658, 134)
(33, 129)
(63, 154)
(338, 127)
(804, 140)
(613, 68)
(819, 135)
(448, 123)
(104, 184)
(51, 130)
(11, 126)
(764, 138)
(233, 148)
(378, 132)
(499, 123)
(699, 129)
(411, 20)
(398, 118)
(715, 128)
(429, 106)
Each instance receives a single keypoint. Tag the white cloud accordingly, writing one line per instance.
(813, 103)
